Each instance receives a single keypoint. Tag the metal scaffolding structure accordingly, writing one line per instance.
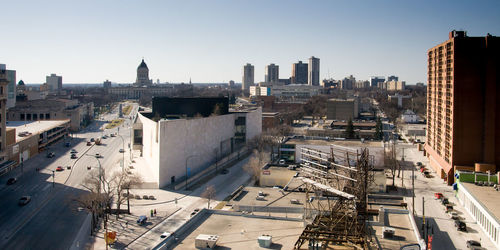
(336, 197)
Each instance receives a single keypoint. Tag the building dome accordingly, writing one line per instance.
(142, 65)
(21, 82)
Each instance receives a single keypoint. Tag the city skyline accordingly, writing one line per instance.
(92, 41)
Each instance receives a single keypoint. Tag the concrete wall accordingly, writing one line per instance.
(183, 138)
(150, 143)
(254, 123)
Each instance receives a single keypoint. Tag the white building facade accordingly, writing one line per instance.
(178, 148)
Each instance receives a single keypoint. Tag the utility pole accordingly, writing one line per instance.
(53, 176)
(423, 223)
(413, 189)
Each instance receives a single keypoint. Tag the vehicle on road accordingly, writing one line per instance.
(121, 150)
(89, 143)
(224, 171)
(419, 164)
(164, 235)
(73, 156)
(73, 151)
(68, 167)
(51, 155)
(59, 169)
(92, 139)
(24, 200)
(151, 197)
(145, 197)
(193, 213)
(438, 195)
(197, 210)
(282, 161)
(461, 226)
(453, 215)
(112, 135)
(11, 181)
(97, 155)
(98, 141)
(67, 144)
(473, 244)
(448, 208)
(444, 200)
(142, 220)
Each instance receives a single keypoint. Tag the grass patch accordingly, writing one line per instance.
(220, 205)
(127, 109)
(114, 123)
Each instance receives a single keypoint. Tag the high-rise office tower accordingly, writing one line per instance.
(248, 76)
(54, 82)
(375, 81)
(313, 72)
(299, 73)
(272, 73)
(463, 107)
(392, 78)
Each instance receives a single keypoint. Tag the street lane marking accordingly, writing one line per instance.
(45, 188)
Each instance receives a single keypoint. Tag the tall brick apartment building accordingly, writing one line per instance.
(463, 105)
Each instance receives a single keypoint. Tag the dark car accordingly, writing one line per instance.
(67, 144)
(73, 156)
(461, 226)
(473, 244)
(11, 181)
(92, 139)
(224, 171)
(444, 201)
(24, 200)
(51, 155)
(142, 219)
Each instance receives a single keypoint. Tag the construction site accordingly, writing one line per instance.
(321, 203)
(336, 189)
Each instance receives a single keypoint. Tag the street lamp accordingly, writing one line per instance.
(100, 170)
(123, 154)
(189, 157)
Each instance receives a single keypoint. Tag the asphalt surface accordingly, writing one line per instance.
(52, 220)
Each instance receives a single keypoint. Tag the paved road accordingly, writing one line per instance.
(51, 220)
(445, 234)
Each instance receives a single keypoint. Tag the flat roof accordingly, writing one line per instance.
(273, 196)
(345, 143)
(487, 196)
(33, 127)
(242, 232)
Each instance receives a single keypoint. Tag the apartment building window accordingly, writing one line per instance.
(35, 117)
(28, 117)
(47, 116)
(21, 117)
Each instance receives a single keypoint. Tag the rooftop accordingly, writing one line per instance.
(486, 196)
(345, 143)
(33, 127)
(241, 232)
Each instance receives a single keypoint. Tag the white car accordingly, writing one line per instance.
(165, 235)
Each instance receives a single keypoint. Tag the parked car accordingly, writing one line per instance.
(460, 225)
(59, 169)
(142, 219)
(112, 135)
(89, 143)
(68, 167)
(73, 151)
(453, 215)
(24, 200)
(137, 197)
(438, 195)
(121, 150)
(11, 181)
(473, 244)
(73, 156)
(145, 197)
(224, 171)
(164, 235)
(92, 139)
(419, 164)
(282, 162)
(151, 197)
(448, 208)
(51, 155)
(97, 155)
(444, 200)
(67, 144)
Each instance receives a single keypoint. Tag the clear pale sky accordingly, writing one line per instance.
(94, 40)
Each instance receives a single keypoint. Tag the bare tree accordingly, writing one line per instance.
(122, 182)
(255, 164)
(209, 194)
